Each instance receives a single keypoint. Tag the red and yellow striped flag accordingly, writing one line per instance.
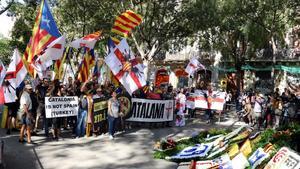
(88, 62)
(59, 65)
(44, 32)
(125, 23)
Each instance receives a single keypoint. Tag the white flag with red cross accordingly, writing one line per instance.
(87, 41)
(126, 68)
(2, 72)
(16, 71)
(54, 51)
(193, 66)
(15, 74)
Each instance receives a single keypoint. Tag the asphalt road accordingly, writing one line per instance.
(129, 150)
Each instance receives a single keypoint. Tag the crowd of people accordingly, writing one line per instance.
(29, 108)
(269, 110)
(255, 108)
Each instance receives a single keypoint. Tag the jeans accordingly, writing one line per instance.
(81, 122)
(112, 125)
(46, 125)
(208, 114)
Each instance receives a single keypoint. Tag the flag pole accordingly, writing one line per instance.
(77, 54)
(65, 69)
(69, 59)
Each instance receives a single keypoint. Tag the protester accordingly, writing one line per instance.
(41, 91)
(258, 110)
(12, 109)
(90, 117)
(248, 111)
(35, 117)
(81, 117)
(55, 91)
(180, 101)
(228, 101)
(99, 93)
(113, 114)
(208, 111)
(88, 90)
(25, 109)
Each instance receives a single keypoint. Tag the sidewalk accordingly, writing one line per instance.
(132, 149)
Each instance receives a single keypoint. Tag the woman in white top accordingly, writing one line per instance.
(258, 110)
(113, 114)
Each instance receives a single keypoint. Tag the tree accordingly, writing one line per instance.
(25, 14)
(239, 28)
(6, 7)
(163, 26)
(5, 51)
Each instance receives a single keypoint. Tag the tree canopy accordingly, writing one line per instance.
(216, 25)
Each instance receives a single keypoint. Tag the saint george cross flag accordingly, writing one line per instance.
(41, 67)
(7, 94)
(125, 67)
(2, 72)
(88, 41)
(193, 66)
(15, 74)
(54, 50)
(16, 71)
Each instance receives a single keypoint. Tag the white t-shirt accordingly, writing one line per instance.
(258, 106)
(115, 108)
(181, 98)
(25, 99)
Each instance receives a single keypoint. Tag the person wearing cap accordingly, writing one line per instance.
(99, 93)
(25, 108)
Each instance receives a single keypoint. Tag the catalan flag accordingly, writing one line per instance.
(44, 32)
(59, 64)
(125, 23)
(86, 65)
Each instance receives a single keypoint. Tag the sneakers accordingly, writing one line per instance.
(111, 137)
(22, 141)
(8, 132)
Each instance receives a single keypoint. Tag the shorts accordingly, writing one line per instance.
(12, 109)
(257, 114)
(26, 119)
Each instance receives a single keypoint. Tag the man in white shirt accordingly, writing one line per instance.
(25, 109)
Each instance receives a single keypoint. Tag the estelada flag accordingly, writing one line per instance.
(88, 41)
(125, 67)
(44, 32)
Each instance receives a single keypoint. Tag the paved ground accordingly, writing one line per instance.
(132, 149)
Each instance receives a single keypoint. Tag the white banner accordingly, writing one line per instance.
(61, 106)
(200, 99)
(145, 110)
